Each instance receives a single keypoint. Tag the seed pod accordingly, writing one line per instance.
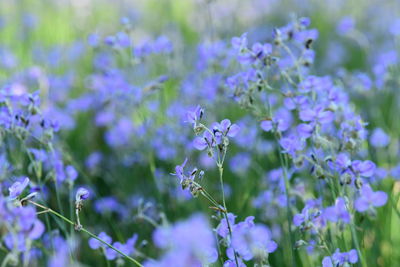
(185, 183)
(345, 178)
(319, 172)
(298, 161)
(210, 152)
(198, 128)
(358, 183)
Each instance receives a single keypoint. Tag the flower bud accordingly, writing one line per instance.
(81, 194)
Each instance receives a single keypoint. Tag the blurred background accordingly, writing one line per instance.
(119, 76)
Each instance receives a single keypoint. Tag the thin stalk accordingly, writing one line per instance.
(353, 231)
(296, 62)
(288, 212)
(283, 163)
(221, 180)
(148, 219)
(209, 198)
(357, 244)
(6, 260)
(219, 249)
(87, 232)
(394, 206)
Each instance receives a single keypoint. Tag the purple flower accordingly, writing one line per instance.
(240, 163)
(395, 28)
(226, 128)
(317, 115)
(187, 180)
(260, 51)
(93, 160)
(291, 144)
(364, 168)
(39, 154)
(110, 253)
(305, 21)
(232, 262)
(120, 134)
(27, 226)
(343, 161)
(194, 116)
(93, 39)
(249, 240)
(17, 188)
(110, 40)
(282, 120)
(222, 228)
(379, 138)
(315, 83)
(338, 212)
(305, 130)
(185, 246)
(239, 43)
(345, 25)
(340, 258)
(252, 240)
(123, 39)
(296, 102)
(95, 244)
(207, 140)
(179, 170)
(162, 45)
(304, 36)
(310, 215)
(71, 173)
(369, 198)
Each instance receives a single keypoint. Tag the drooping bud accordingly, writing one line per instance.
(81, 194)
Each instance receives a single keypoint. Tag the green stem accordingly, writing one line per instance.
(221, 180)
(87, 232)
(6, 260)
(288, 212)
(356, 243)
(394, 206)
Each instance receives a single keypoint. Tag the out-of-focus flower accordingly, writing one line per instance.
(369, 199)
(340, 258)
(338, 212)
(17, 188)
(379, 138)
(183, 246)
(345, 25)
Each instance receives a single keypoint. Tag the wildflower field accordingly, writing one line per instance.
(185, 133)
